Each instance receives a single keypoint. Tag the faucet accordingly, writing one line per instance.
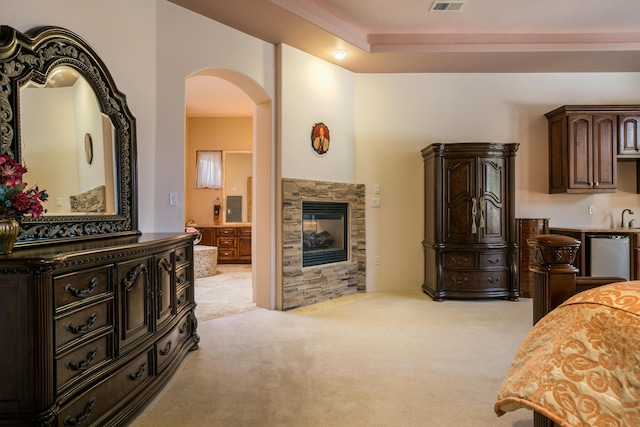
(630, 213)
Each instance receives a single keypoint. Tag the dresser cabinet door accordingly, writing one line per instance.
(135, 301)
(165, 291)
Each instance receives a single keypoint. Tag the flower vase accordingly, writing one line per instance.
(9, 229)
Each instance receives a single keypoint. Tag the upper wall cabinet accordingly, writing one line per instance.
(585, 143)
(628, 135)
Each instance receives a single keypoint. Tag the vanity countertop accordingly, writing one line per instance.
(230, 224)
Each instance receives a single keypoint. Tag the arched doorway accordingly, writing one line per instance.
(263, 243)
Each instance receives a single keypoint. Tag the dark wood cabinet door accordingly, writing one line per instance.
(629, 134)
(459, 195)
(492, 219)
(135, 301)
(165, 291)
(244, 248)
(604, 151)
(580, 156)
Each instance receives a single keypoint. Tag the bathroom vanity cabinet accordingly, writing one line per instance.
(91, 330)
(233, 242)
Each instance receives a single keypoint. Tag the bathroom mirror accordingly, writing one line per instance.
(62, 116)
(238, 167)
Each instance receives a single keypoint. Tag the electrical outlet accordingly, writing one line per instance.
(591, 210)
(377, 260)
(375, 202)
(173, 199)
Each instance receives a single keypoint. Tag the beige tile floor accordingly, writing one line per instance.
(230, 292)
(227, 292)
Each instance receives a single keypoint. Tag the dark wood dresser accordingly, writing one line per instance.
(91, 330)
(469, 244)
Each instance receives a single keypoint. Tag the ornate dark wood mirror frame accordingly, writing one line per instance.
(31, 57)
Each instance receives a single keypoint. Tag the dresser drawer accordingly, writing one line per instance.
(182, 297)
(181, 255)
(83, 322)
(81, 285)
(183, 277)
(459, 260)
(92, 407)
(167, 346)
(493, 260)
(85, 358)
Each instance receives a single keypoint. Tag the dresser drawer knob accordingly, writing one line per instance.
(82, 329)
(493, 261)
(492, 280)
(69, 421)
(137, 375)
(84, 365)
(82, 293)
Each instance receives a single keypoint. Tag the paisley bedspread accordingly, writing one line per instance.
(580, 364)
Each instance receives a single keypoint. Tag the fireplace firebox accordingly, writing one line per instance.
(324, 232)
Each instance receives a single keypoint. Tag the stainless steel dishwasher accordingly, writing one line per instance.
(609, 255)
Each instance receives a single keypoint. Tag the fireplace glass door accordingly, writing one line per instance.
(324, 233)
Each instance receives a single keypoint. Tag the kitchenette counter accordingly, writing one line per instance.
(582, 261)
(612, 230)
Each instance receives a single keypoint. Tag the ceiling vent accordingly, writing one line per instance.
(448, 6)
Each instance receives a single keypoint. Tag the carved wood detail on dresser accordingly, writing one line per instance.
(91, 330)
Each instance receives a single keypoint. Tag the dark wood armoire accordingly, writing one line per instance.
(470, 248)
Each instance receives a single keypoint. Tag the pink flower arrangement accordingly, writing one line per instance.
(17, 201)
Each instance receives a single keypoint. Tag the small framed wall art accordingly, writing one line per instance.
(320, 138)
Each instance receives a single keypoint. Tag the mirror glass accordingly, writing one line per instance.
(62, 116)
(67, 144)
(237, 166)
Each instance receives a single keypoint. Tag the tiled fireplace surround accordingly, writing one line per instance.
(310, 285)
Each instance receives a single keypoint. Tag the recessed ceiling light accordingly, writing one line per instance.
(339, 54)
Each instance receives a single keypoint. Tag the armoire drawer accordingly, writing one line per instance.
(476, 281)
(493, 260)
(459, 260)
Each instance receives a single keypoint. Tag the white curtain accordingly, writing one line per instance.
(209, 169)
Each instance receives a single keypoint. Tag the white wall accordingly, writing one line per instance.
(314, 91)
(150, 47)
(398, 115)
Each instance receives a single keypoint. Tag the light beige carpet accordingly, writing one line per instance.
(387, 360)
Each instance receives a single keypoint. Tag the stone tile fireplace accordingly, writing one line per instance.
(309, 282)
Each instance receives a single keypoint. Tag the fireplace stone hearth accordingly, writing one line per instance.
(309, 285)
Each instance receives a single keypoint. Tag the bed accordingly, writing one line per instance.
(580, 363)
